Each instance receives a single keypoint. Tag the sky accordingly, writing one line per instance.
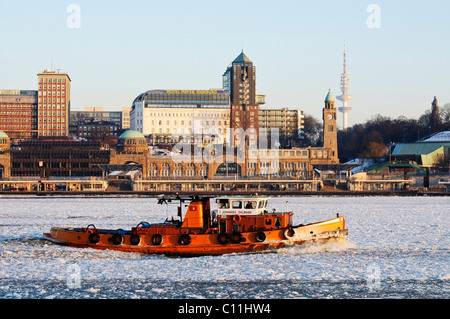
(398, 52)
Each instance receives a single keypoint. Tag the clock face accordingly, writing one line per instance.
(330, 116)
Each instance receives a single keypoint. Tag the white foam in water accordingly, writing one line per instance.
(332, 245)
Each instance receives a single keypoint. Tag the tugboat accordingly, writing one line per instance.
(241, 224)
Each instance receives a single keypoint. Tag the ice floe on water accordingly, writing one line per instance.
(398, 247)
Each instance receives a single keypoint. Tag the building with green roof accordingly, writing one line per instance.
(425, 154)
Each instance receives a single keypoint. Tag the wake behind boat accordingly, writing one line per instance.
(241, 224)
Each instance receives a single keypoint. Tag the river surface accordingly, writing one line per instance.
(398, 247)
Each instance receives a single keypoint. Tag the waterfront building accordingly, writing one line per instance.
(48, 158)
(5, 158)
(430, 152)
(126, 118)
(53, 103)
(294, 163)
(95, 114)
(240, 80)
(97, 130)
(289, 123)
(132, 148)
(58, 156)
(95, 123)
(18, 113)
(162, 114)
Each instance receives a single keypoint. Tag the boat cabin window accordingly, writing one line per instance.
(223, 203)
(237, 204)
(243, 205)
(250, 205)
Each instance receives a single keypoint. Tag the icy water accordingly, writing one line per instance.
(398, 247)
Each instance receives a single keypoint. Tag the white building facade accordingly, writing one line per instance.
(164, 113)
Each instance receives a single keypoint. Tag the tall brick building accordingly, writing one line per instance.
(240, 80)
(18, 113)
(53, 103)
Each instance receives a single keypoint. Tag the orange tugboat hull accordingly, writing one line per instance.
(175, 243)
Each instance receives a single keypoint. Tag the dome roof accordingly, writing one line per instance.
(3, 134)
(132, 134)
(330, 97)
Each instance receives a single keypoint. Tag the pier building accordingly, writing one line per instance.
(5, 158)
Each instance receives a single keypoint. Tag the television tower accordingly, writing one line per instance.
(344, 109)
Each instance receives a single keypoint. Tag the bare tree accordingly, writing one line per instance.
(313, 131)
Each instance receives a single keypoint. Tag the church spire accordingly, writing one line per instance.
(435, 118)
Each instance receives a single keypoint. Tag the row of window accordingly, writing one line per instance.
(135, 141)
(54, 113)
(54, 93)
(97, 128)
(184, 131)
(182, 123)
(54, 87)
(178, 173)
(54, 80)
(17, 127)
(297, 153)
(175, 97)
(52, 120)
(13, 120)
(187, 115)
(45, 100)
(18, 106)
(44, 126)
(22, 114)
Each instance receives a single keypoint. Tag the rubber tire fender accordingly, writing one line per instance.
(260, 236)
(157, 239)
(223, 238)
(236, 238)
(135, 239)
(94, 238)
(289, 233)
(117, 239)
(185, 239)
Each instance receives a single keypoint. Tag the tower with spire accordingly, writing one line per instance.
(435, 118)
(329, 128)
(240, 80)
(345, 97)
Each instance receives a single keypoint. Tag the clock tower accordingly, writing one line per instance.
(329, 127)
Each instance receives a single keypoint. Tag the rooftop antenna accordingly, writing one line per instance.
(345, 58)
